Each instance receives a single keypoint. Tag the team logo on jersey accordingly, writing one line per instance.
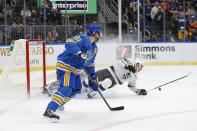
(123, 51)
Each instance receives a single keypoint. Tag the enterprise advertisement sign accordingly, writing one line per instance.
(75, 6)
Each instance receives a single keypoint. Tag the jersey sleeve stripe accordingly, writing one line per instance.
(71, 40)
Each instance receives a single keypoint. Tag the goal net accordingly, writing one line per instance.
(25, 69)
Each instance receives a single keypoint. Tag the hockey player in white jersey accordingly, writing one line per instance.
(125, 71)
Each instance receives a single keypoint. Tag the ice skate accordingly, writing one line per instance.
(49, 114)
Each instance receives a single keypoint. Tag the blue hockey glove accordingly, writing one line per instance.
(94, 83)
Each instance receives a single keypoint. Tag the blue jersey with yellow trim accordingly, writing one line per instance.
(74, 45)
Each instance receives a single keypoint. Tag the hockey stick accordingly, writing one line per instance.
(111, 109)
(158, 87)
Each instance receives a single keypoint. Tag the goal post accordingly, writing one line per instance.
(28, 43)
(25, 68)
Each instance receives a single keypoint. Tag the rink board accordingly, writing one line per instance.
(108, 54)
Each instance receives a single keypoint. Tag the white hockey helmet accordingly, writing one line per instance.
(139, 61)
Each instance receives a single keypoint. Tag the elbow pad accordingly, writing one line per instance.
(130, 68)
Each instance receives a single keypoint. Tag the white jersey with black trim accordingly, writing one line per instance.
(122, 75)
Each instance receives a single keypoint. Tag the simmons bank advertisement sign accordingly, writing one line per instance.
(75, 6)
(160, 52)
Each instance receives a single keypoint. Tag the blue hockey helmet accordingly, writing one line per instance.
(92, 29)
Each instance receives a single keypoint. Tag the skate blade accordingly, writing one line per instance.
(52, 120)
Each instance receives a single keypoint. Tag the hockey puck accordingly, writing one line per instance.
(159, 89)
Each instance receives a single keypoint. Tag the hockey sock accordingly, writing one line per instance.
(67, 99)
(59, 98)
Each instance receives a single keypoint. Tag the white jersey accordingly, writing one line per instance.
(125, 75)
(122, 75)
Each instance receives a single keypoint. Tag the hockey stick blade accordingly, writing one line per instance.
(111, 109)
(117, 108)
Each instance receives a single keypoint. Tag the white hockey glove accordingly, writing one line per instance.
(141, 92)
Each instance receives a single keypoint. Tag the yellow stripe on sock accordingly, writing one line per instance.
(66, 99)
(58, 99)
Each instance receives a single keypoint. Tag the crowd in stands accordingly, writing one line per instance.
(34, 16)
(167, 20)
(179, 19)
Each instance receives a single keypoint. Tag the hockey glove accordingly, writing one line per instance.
(141, 92)
(93, 83)
(130, 68)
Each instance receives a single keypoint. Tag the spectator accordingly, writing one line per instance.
(191, 19)
(49, 12)
(173, 9)
(26, 12)
(44, 11)
(49, 4)
(78, 29)
(180, 8)
(158, 20)
(191, 37)
(33, 22)
(182, 20)
(19, 6)
(193, 29)
(49, 37)
(56, 39)
(35, 16)
(8, 11)
(193, 26)
(54, 17)
(148, 9)
(132, 15)
(154, 10)
(182, 34)
(190, 11)
(154, 38)
(174, 23)
(1, 19)
(189, 6)
(173, 5)
(38, 37)
(164, 4)
(170, 37)
(1, 6)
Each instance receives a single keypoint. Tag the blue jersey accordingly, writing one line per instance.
(68, 60)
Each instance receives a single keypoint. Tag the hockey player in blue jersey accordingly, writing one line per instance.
(80, 52)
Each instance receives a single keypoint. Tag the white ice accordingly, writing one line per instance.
(172, 109)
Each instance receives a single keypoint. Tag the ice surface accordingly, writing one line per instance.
(172, 109)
